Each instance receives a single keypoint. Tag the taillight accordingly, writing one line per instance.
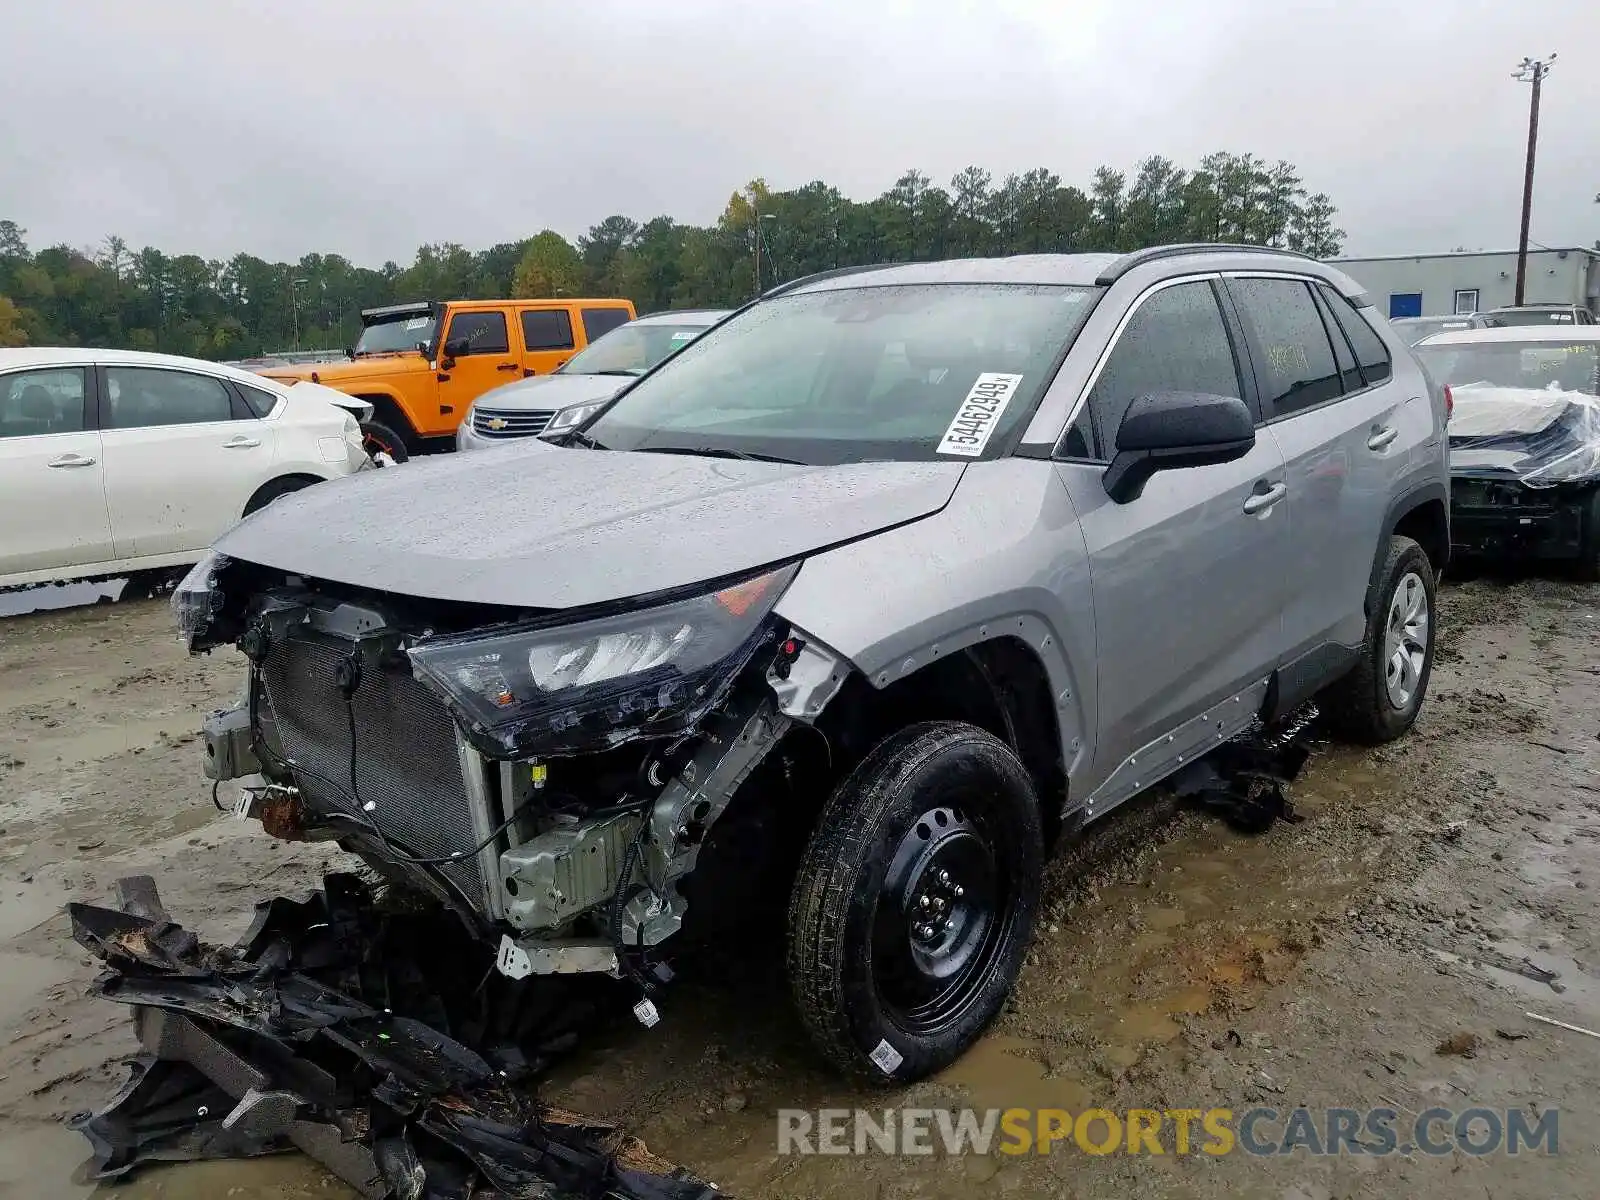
(1449, 402)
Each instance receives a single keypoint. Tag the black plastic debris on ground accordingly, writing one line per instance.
(1242, 780)
(322, 1031)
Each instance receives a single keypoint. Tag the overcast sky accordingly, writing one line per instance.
(369, 126)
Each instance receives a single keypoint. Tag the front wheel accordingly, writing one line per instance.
(377, 438)
(914, 902)
(1588, 566)
(1379, 700)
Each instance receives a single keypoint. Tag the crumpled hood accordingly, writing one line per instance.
(551, 392)
(538, 526)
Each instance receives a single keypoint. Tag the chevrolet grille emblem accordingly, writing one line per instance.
(498, 422)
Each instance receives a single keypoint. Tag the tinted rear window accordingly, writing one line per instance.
(546, 329)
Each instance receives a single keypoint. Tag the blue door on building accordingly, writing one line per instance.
(1405, 304)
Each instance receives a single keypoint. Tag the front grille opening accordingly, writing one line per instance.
(501, 423)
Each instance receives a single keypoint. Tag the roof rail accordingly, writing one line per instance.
(1150, 253)
(835, 273)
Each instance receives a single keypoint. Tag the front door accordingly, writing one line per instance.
(52, 480)
(478, 341)
(1189, 578)
(179, 466)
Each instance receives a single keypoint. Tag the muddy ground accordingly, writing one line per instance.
(1418, 906)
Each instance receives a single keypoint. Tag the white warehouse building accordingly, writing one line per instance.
(1433, 285)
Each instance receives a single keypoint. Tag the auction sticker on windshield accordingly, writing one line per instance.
(979, 413)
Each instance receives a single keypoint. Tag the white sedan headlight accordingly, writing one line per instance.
(571, 417)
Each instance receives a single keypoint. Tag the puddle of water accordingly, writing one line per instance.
(22, 978)
(1004, 1072)
(50, 1160)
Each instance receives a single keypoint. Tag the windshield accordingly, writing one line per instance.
(1529, 316)
(631, 349)
(1562, 366)
(920, 371)
(403, 333)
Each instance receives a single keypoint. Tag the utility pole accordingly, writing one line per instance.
(1530, 70)
(756, 217)
(294, 307)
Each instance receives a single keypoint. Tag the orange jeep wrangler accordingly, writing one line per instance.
(422, 365)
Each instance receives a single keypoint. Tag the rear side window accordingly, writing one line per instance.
(33, 403)
(484, 332)
(547, 329)
(1371, 353)
(142, 398)
(1348, 371)
(597, 322)
(1296, 366)
(260, 403)
(1176, 342)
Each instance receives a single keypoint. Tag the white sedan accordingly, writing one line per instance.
(114, 461)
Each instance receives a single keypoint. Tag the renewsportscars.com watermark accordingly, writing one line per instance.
(1177, 1131)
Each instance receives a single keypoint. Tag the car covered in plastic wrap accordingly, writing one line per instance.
(1524, 441)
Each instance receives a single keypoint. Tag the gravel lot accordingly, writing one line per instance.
(1418, 906)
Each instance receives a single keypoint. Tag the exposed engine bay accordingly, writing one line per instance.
(552, 784)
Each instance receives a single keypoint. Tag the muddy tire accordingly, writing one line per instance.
(1379, 700)
(914, 902)
(376, 437)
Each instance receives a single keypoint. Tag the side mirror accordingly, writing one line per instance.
(457, 347)
(1167, 430)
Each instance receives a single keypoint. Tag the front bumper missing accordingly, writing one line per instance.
(252, 1049)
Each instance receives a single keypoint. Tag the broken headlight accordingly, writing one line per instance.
(519, 691)
(197, 602)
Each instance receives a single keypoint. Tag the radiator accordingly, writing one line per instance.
(406, 766)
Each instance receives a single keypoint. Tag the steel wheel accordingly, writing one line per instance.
(938, 921)
(1405, 640)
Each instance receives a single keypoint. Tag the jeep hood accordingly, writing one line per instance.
(538, 526)
(339, 374)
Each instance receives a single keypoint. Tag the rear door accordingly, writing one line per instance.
(183, 456)
(1336, 417)
(548, 339)
(1189, 578)
(52, 477)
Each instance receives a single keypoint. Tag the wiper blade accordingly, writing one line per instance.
(720, 452)
(626, 374)
(579, 438)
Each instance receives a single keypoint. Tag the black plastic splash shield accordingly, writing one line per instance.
(249, 1050)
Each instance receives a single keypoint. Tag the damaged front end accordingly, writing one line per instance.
(551, 780)
(322, 1030)
(1525, 471)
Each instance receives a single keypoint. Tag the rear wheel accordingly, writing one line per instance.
(1379, 700)
(269, 492)
(377, 438)
(914, 902)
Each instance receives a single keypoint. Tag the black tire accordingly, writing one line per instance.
(269, 492)
(1360, 707)
(931, 796)
(376, 436)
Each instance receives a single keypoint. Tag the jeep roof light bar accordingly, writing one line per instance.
(1136, 258)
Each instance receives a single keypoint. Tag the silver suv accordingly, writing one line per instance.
(829, 626)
